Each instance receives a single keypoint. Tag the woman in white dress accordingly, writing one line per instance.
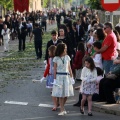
(63, 77)
(88, 86)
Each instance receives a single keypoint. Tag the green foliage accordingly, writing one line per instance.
(95, 4)
(7, 4)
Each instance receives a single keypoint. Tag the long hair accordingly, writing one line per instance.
(90, 60)
(81, 47)
(60, 49)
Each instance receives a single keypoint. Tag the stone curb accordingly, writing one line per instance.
(107, 108)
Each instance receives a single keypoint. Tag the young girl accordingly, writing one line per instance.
(77, 64)
(62, 74)
(49, 72)
(88, 86)
(97, 57)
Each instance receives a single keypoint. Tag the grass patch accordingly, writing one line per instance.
(17, 64)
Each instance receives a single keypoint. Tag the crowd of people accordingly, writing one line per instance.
(81, 48)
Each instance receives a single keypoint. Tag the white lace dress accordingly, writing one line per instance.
(62, 80)
(89, 78)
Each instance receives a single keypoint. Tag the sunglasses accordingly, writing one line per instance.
(105, 28)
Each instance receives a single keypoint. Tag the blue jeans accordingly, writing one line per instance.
(107, 65)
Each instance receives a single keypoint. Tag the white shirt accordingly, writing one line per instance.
(7, 34)
(98, 61)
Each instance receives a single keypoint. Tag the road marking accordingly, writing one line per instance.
(35, 118)
(16, 103)
(45, 105)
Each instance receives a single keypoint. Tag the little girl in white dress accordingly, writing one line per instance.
(62, 76)
(88, 86)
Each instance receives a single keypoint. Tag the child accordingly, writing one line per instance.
(49, 72)
(77, 64)
(88, 86)
(6, 37)
(97, 57)
(95, 96)
(62, 74)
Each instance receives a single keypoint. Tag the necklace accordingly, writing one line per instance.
(62, 60)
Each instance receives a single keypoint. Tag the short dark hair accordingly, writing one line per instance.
(90, 60)
(109, 24)
(60, 49)
(36, 25)
(97, 45)
(99, 71)
(54, 32)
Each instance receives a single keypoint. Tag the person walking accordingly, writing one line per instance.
(37, 32)
(22, 32)
(6, 37)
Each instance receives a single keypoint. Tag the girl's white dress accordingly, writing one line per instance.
(88, 85)
(63, 80)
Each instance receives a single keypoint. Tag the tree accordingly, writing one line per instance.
(95, 4)
(7, 4)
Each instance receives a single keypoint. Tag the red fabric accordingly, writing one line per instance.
(111, 42)
(47, 69)
(21, 5)
(78, 60)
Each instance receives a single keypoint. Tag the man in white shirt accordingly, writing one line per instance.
(6, 37)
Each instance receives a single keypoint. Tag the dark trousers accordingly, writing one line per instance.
(22, 43)
(29, 30)
(58, 25)
(44, 24)
(106, 88)
(38, 48)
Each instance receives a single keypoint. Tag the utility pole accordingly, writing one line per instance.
(111, 17)
(50, 4)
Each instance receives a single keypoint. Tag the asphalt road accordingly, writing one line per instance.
(25, 100)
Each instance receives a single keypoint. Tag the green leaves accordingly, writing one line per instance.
(8, 4)
(95, 4)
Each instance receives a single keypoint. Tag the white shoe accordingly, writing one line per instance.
(61, 113)
(65, 112)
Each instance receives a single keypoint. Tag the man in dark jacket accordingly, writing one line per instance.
(22, 32)
(37, 32)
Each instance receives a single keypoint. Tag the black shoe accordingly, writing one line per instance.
(90, 114)
(81, 111)
(76, 104)
(100, 100)
(113, 102)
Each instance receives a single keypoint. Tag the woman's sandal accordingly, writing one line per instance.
(81, 111)
(54, 109)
